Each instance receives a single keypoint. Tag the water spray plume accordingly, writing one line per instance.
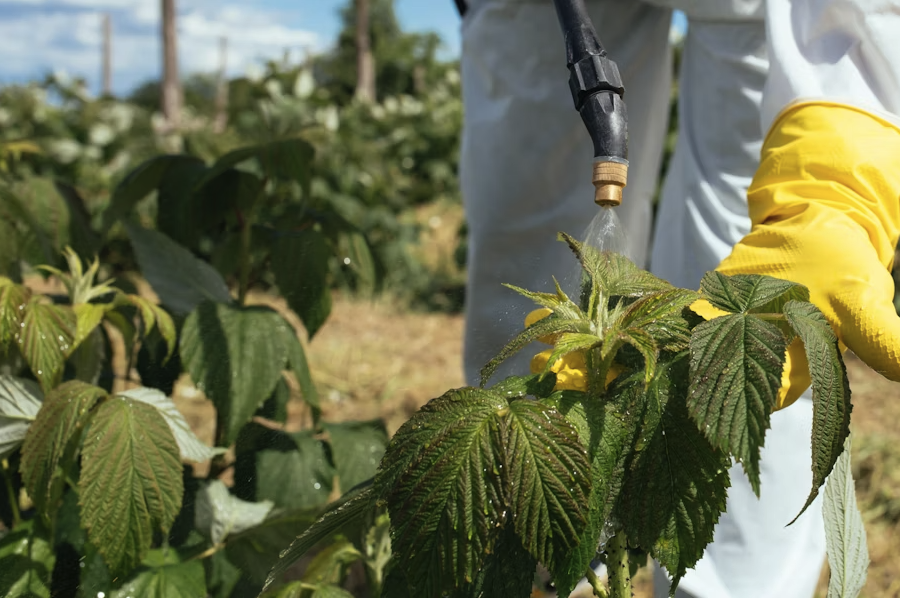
(605, 233)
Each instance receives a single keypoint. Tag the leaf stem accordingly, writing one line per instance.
(617, 565)
(596, 584)
(769, 316)
(244, 273)
(13, 499)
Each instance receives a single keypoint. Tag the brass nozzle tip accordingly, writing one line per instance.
(610, 179)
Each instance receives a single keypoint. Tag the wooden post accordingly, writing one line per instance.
(365, 60)
(221, 119)
(171, 86)
(107, 55)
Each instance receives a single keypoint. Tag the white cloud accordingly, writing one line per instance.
(38, 36)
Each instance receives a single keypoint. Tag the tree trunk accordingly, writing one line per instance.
(171, 86)
(222, 88)
(107, 56)
(365, 60)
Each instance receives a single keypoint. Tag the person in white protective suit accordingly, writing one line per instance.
(787, 163)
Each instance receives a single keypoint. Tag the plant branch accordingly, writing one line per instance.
(244, 272)
(13, 499)
(596, 584)
(617, 565)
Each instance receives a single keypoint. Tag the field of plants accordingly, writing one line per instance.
(214, 335)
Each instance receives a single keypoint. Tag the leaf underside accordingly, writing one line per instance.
(831, 390)
(845, 532)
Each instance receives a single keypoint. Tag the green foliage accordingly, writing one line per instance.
(163, 576)
(26, 560)
(482, 484)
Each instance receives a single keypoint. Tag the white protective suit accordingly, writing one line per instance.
(525, 174)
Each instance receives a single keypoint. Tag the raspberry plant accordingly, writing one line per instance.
(482, 484)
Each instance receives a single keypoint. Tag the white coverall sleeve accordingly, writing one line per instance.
(837, 50)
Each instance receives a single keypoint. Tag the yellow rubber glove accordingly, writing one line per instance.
(825, 212)
(571, 370)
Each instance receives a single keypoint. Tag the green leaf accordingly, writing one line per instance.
(571, 342)
(20, 401)
(177, 580)
(508, 571)
(736, 365)
(157, 318)
(235, 355)
(644, 343)
(257, 549)
(660, 315)
(354, 253)
(331, 592)
(190, 447)
(219, 514)
(845, 533)
(26, 562)
(292, 470)
(131, 480)
(552, 324)
(357, 448)
(743, 293)
(139, 183)
(330, 565)
(13, 300)
(831, 390)
(300, 266)
(52, 440)
(535, 385)
(298, 364)
(180, 280)
(181, 214)
(47, 336)
(550, 480)
(350, 508)
(607, 432)
(286, 159)
(676, 483)
(466, 463)
(275, 408)
(443, 503)
(87, 317)
(559, 302)
(613, 272)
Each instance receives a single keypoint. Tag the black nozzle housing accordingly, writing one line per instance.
(595, 83)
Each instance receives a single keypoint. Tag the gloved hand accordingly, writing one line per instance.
(825, 212)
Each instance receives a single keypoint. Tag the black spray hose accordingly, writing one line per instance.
(597, 91)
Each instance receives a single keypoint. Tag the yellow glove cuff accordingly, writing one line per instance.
(843, 160)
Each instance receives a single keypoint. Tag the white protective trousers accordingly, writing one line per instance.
(525, 175)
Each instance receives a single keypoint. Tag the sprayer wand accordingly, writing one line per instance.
(597, 91)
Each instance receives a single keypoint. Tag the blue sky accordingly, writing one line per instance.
(40, 36)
